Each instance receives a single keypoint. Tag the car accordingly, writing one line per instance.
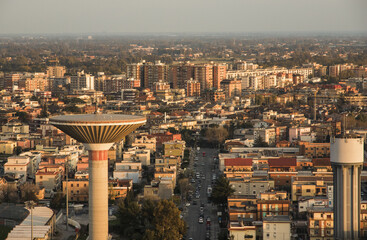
(202, 164)
(197, 196)
(202, 205)
(201, 220)
(203, 177)
(201, 209)
(194, 202)
(188, 204)
(192, 180)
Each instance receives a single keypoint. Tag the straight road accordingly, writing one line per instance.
(206, 168)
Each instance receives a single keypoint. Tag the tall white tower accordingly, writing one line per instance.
(346, 154)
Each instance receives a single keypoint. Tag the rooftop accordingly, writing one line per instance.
(278, 218)
(97, 119)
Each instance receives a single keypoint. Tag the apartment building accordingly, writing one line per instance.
(320, 223)
(314, 150)
(276, 228)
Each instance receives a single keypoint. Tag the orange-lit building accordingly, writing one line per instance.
(192, 88)
(219, 74)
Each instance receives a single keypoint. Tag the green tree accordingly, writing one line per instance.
(167, 223)
(57, 200)
(129, 214)
(259, 99)
(221, 191)
(23, 116)
(259, 142)
(44, 112)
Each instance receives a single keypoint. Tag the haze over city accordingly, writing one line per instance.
(144, 16)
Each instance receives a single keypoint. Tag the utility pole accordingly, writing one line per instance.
(30, 205)
(67, 194)
(314, 107)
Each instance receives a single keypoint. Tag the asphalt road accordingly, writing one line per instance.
(205, 166)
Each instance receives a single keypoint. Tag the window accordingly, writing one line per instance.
(72, 185)
(77, 185)
(41, 177)
(85, 184)
(308, 190)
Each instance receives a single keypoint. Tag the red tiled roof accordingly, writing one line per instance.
(238, 162)
(321, 162)
(282, 162)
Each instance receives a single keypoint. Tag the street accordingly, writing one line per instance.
(205, 167)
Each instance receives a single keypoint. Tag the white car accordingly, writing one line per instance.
(201, 220)
(187, 204)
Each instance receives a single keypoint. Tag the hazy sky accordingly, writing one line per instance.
(140, 16)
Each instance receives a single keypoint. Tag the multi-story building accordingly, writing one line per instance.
(153, 73)
(231, 88)
(192, 88)
(174, 148)
(144, 141)
(128, 170)
(310, 186)
(250, 186)
(276, 228)
(179, 74)
(135, 71)
(11, 80)
(161, 85)
(314, 150)
(204, 74)
(20, 166)
(130, 83)
(273, 207)
(82, 81)
(55, 71)
(35, 81)
(113, 84)
(219, 74)
(320, 223)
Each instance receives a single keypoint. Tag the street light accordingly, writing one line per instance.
(30, 205)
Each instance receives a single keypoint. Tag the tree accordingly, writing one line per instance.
(129, 216)
(57, 201)
(184, 187)
(221, 191)
(259, 142)
(259, 99)
(167, 223)
(23, 116)
(28, 192)
(44, 112)
(216, 134)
